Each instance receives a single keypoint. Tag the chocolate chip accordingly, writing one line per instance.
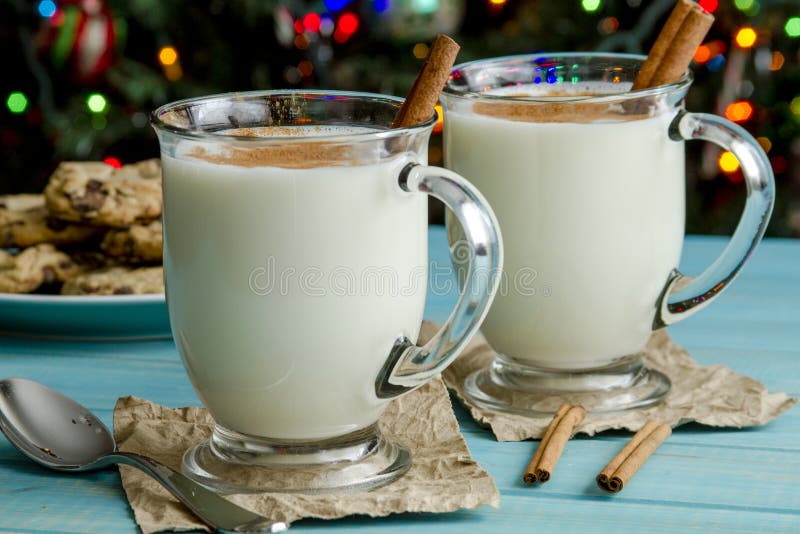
(65, 264)
(94, 185)
(49, 275)
(55, 225)
(124, 290)
(93, 200)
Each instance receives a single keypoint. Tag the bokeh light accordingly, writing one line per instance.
(421, 50)
(765, 143)
(709, 5)
(590, 6)
(739, 111)
(728, 162)
(17, 102)
(167, 55)
(746, 37)
(794, 106)
(96, 103)
(46, 8)
(114, 162)
(792, 27)
(777, 61)
(744, 5)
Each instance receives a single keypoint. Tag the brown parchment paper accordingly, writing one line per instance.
(712, 395)
(442, 478)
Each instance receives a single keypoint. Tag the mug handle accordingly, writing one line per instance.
(683, 295)
(410, 366)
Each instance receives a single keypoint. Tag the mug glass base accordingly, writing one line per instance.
(513, 387)
(231, 462)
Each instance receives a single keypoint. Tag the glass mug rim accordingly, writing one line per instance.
(449, 92)
(159, 124)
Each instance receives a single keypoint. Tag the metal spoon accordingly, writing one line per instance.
(57, 432)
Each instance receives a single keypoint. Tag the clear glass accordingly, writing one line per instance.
(587, 181)
(295, 257)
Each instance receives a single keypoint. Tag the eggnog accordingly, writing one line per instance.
(288, 279)
(592, 213)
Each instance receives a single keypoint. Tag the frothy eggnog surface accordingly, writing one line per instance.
(591, 204)
(290, 271)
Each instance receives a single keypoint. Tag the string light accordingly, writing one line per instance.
(608, 25)
(348, 23)
(765, 143)
(744, 5)
(777, 61)
(336, 5)
(114, 162)
(439, 119)
(305, 67)
(347, 26)
(746, 37)
(792, 27)
(380, 6)
(702, 54)
(794, 106)
(727, 162)
(311, 22)
(17, 102)
(424, 7)
(96, 103)
(590, 6)
(420, 50)
(46, 8)
(709, 5)
(739, 111)
(497, 2)
(167, 55)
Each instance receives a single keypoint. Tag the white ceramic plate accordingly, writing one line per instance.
(112, 317)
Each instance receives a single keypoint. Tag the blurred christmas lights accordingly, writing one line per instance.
(744, 5)
(311, 22)
(794, 106)
(167, 55)
(709, 5)
(96, 103)
(17, 102)
(439, 119)
(46, 8)
(728, 162)
(336, 5)
(792, 27)
(421, 50)
(746, 37)
(114, 162)
(777, 61)
(590, 6)
(765, 143)
(740, 111)
(424, 7)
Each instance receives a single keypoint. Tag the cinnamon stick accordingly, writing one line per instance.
(424, 94)
(633, 455)
(675, 46)
(665, 38)
(681, 51)
(561, 428)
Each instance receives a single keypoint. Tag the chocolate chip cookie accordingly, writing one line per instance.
(25, 221)
(135, 244)
(98, 194)
(116, 281)
(33, 268)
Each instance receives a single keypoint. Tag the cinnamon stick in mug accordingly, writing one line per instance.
(424, 94)
(560, 430)
(633, 455)
(675, 46)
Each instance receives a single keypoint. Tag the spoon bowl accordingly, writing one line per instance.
(57, 432)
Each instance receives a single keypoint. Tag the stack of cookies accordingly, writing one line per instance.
(96, 230)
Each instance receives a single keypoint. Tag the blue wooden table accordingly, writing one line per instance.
(700, 480)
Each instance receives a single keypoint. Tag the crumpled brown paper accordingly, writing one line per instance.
(709, 394)
(442, 477)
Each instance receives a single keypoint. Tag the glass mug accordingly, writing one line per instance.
(587, 182)
(295, 258)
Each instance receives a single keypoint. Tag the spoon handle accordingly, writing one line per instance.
(212, 509)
